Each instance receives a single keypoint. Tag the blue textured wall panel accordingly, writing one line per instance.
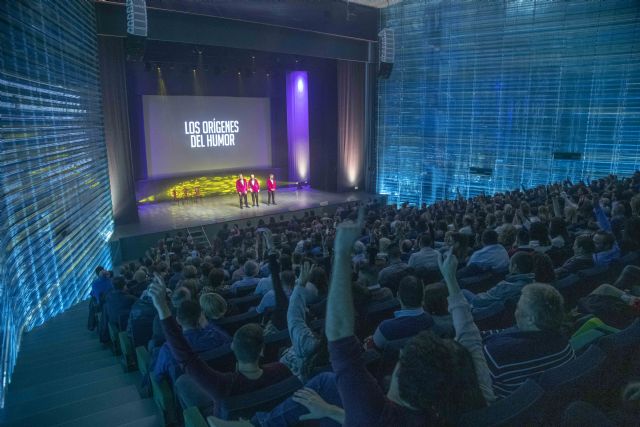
(484, 92)
(55, 205)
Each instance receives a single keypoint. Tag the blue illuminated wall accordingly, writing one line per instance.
(55, 206)
(483, 93)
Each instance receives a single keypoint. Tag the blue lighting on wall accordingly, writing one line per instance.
(483, 93)
(55, 206)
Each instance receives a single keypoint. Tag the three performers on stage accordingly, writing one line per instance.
(244, 186)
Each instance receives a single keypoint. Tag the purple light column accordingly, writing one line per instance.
(298, 125)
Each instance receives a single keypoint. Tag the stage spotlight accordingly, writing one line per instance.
(355, 188)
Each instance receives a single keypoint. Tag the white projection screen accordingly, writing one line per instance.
(186, 135)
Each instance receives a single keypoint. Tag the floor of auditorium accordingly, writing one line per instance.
(154, 217)
(65, 377)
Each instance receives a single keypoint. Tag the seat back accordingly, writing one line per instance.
(273, 343)
(193, 418)
(579, 379)
(221, 359)
(377, 312)
(518, 409)
(246, 405)
(242, 304)
(232, 323)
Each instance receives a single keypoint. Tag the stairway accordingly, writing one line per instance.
(199, 236)
(65, 377)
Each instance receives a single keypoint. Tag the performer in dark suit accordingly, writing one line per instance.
(241, 187)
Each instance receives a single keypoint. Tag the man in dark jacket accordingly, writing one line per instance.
(118, 303)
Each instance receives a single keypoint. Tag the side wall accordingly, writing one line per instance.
(55, 206)
(483, 93)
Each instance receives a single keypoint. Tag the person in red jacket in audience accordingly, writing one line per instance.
(271, 190)
(242, 186)
(254, 189)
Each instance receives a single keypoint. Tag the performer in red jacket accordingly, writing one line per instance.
(271, 190)
(254, 188)
(241, 187)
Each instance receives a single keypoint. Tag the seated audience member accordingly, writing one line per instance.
(101, 285)
(213, 305)
(359, 255)
(390, 276)
(265, 284)
(118, 302)
(139, 283)
(543, 268)
(177, 276)
(201, 386)
(199, 335)
(307, 350)
(249, 280)
(539, 237)
(606, 248)
(522, 242)
(405, 250)
(434, 381)
(520, 274)
(178, 296)
(140, 323)
(534, 345)
(316, 285)
(507, 237)
(216, 278)
(409, 320)
(583, 249)
(426, 258)
(558, 232)
(492, 256)
(368, 278)
(268, 301)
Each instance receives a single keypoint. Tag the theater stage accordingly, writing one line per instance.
(129, 241)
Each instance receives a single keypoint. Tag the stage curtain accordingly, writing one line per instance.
(116, 129)
(351, 118)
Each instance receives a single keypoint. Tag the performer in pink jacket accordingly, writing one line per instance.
(241, 187)
(271, 190)
(254, 188)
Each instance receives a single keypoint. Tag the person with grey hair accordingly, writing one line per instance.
(250, 279)
(534, 345)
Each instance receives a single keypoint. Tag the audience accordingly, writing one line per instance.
(535, 236)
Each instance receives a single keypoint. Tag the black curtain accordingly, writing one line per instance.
(116, 129)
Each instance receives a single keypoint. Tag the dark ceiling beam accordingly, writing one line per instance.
(203, 30)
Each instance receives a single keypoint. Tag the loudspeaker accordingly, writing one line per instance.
(384, 70)
(386, 41)
(136, 29)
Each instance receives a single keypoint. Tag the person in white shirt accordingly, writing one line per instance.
(427, 257)
(492, 257)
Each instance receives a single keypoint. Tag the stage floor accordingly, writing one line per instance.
(166, 216)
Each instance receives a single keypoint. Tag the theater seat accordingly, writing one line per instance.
(220, 359)
(579, 379)
(233, 323)
(128, 359)
(378, 312)
(246, 405)
(165, 400)
(242, 304)
(113, 338)
(193, 418)
(519, 409)
(273, 343)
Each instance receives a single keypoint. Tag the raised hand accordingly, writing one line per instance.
(348, 232)
(305, 271)
(158, 293)
(448, 266)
